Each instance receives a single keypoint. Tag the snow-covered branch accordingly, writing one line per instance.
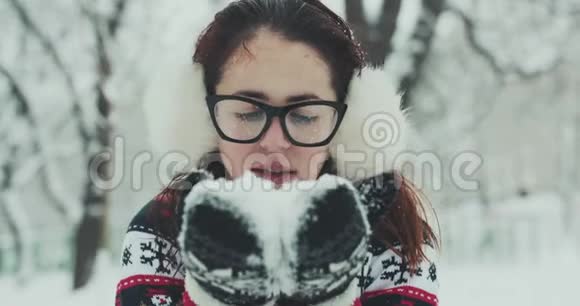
(502, 70)
(375, 36)
(17, 219)
(415, 48)
(470, 34)
(88, 234)
(52, 51)
(42, 161)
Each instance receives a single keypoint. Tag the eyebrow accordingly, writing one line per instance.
(263, 96)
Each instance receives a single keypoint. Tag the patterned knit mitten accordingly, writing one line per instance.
(331, 245)
(243, 244)
(221, 251)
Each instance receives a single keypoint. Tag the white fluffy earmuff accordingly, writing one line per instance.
(374, 131)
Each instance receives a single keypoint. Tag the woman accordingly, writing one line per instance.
(277, 78)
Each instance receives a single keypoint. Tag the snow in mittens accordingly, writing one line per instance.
(274, 214)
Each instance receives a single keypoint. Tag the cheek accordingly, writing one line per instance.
(233, 156)
(310, 160)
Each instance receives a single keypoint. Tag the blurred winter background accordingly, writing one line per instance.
(493, 88)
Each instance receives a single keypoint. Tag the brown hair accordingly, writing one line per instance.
(403, 223)
(307, 21)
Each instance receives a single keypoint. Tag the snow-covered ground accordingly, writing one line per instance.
(54, 289)
(536, 267)
(552, 282)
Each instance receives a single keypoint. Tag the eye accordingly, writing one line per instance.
(298, 118)
(250, 116)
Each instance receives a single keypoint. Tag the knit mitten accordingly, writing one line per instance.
(244, 242)
(221, 250)
(331, 245)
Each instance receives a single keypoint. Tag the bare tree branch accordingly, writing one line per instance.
(51, 50)
(386, 26)
(375, 38)
(470, 30)
(43, 39)
(115, 20)
(488, 56)
(423, 34)
(62, 204)
(5, 184)
(90, 233)
(17, 220)
(23, 109)
(22, 103)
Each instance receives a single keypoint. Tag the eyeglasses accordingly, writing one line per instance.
(242, 119)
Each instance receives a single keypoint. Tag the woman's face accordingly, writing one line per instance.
(275, 70)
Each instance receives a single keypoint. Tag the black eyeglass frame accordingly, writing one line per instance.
(275, 111)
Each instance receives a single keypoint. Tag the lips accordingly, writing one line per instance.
(275, 172)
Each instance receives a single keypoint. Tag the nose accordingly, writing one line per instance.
(274, 139)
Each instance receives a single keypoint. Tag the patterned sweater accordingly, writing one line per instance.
(153, 274)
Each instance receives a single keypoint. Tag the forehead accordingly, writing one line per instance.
(277, 67)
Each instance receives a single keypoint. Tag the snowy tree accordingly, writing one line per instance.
(57, 96)
(374, 35)
(397, 34)
(498, 78)
(105, 23)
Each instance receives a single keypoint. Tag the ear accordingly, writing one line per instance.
(374, 131)
(176, 112)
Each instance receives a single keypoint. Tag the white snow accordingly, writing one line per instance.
(263, 208)
(518, 280)
(55, 288)
(274, 214)
(456, 84)
(552, 282)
